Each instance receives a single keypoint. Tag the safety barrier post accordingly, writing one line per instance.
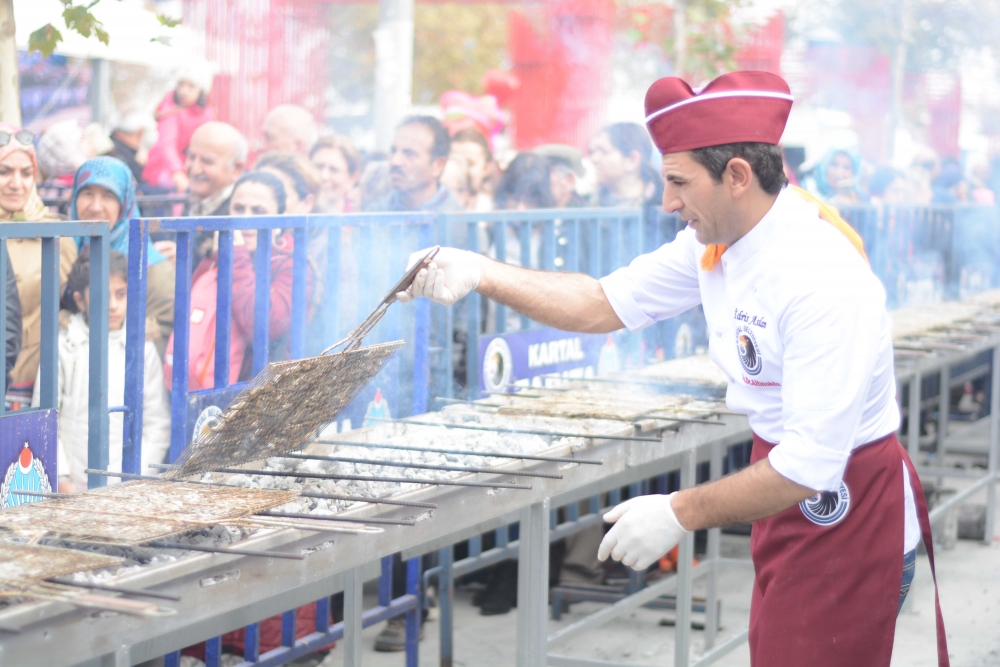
(135, 341)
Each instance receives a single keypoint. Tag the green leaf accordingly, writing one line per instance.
(167, 21)
(44, 40)
(80, 19)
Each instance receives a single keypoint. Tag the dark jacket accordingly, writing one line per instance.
(126, 154)
(13, 320)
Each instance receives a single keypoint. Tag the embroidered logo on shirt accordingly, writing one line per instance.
(827, 508)
(749, 351)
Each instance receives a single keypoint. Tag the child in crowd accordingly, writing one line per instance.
(74, 379)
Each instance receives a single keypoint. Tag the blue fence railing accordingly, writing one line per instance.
(930, 253)
(50, 233)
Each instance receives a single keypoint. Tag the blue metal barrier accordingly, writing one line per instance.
(930, 253)
(50, 233)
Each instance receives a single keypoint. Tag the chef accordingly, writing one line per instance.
(797, 320)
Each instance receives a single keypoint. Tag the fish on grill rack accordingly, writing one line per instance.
(289, 401)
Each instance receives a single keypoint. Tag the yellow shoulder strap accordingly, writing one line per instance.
(714, 252)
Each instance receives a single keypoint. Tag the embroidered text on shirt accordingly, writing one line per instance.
(743, 316)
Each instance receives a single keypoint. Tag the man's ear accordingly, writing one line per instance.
(310, 200)
(437, 166)
(738, 176)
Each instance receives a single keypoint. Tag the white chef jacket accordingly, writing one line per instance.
(797, 321)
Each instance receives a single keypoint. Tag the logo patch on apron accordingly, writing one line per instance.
(827, 507)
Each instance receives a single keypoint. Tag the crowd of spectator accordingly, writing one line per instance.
(842, 178)
(431, 166)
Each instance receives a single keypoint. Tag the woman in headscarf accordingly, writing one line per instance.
(837, 178)
(19, 202)
(104, 189)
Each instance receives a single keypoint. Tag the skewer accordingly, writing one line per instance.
(421, 466)
(304, 494)
(434, 450)
(314, 475)
(372, 478)
(366, 499)
(160, 544)
(445, 399)
(39, 494)
(124, 590)
(334, 517)
(224, 550)
(523, 431)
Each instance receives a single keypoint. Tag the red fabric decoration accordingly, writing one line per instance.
(735, 107)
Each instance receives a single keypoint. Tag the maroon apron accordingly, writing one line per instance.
(828, 570)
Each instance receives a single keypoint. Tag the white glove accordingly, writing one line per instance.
(645, 529)
(451, 275)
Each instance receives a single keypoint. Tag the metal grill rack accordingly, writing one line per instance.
(576, 433)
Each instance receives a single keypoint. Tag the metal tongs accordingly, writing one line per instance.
(354, 338)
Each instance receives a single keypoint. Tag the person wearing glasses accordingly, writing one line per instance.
(20, 202)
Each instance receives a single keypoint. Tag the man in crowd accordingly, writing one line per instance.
(216, 158)
(288, 128)
(127, 136)
(416, 161)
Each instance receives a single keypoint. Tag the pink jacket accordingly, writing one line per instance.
(175, 125)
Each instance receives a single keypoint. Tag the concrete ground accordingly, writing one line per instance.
(968, 574)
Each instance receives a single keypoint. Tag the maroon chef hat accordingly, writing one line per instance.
(735, 107)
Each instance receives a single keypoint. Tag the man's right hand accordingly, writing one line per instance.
(451, 275)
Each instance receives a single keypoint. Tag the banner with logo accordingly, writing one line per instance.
(523, 357)
(27, 455)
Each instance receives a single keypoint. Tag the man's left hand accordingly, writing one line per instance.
(645, 529)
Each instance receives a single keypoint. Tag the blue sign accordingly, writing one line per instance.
(27, 455)
(525, 356)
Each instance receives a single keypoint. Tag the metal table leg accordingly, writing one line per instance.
(944, 412)
(913, 425)
(533, 585)
(994, 453)
(714, 537)
(352, 617)
(446, 596)
(414, 615)
(682, 630)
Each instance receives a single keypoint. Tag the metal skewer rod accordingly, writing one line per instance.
(445, 399)
(225, 550)
(435, 450)
(304, 494)
(39, 494)
(366, 499)
(124, 590)
(334, 517)
(421, 466)
(160, 544)
(522, 431)
(372, 478)
(314, 475)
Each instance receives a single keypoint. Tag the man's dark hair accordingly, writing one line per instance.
(526, 181)
(472, 136)
(442, 140)
(765, 161)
